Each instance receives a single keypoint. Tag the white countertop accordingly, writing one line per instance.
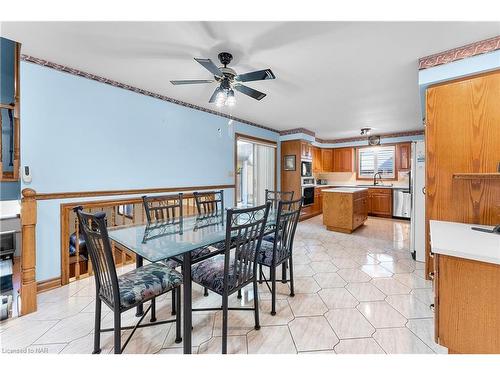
(350, 190)
(459, 240)
(362, 186)
(9, 209)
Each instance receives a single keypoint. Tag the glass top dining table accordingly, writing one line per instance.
(158, 242)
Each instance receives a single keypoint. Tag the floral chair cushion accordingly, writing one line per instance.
(177, 261)
(210, 274)
(265, 256)
(269, 238)
(145, 282)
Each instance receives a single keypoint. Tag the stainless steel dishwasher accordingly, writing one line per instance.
(401, 203)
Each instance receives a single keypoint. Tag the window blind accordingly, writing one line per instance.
(377, 160)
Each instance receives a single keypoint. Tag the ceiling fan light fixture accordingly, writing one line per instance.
(220, 99)
(231, 100)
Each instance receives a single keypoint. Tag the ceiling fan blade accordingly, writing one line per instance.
(210, 66)
(258, 75)
(250, 92)
(214, 95)
(191, 81)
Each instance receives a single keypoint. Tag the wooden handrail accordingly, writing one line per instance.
(103, 193)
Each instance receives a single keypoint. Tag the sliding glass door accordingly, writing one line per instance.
(255, 170)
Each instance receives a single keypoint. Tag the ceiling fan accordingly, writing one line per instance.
(228, 80)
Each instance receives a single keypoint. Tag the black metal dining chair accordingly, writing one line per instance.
(279, 251)
(275, 197)
(124, 292)
(168, 209)
(228, 273)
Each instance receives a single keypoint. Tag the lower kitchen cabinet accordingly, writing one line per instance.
(467, 305)
(380, 202)
(344, 210)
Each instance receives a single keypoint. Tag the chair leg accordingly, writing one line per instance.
(117, 332)
(178, 336)
(173, 301)
(292, 290)
(260, 274)
(283, 272)
(97, 326)
(273, 290)
(205, 292)
(153, 310)
(239, 294)
(256, 305)
(224, 322)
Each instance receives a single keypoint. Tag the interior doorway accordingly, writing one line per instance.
(255, 163)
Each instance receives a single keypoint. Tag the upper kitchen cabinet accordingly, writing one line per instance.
(342, 159)
(317, 160)
(9, 109)
(306, 150)
(403, 151)
(327, 159)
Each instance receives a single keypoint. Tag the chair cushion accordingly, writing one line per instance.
(145, 282)
(210, 273)
(177, 261)
(265, 255)
(269, 238)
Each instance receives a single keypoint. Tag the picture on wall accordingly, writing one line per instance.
(289, 163)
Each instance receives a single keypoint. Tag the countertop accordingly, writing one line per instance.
(459, 240)
(9, 209)
(362, 186)
(351, 190)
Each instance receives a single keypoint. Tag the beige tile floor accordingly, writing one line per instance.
(358, 293)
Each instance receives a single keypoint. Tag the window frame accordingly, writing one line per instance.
(396, 161)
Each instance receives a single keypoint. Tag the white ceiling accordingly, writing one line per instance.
(332, 77)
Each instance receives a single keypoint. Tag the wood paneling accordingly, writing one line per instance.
(462, 137)
(290, 180)
(327, 159)
(344, 212)
(43, 286)
(468, 301)
(342, 159)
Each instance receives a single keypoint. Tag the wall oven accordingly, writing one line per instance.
(306, 168)
(308, 195)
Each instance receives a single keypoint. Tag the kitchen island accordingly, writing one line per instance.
(344, 209)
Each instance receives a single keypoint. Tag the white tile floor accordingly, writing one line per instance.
(358, 293)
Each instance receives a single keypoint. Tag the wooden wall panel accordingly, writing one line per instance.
(290, 180)
(463, 136)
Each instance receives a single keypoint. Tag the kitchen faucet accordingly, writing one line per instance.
(375, 178)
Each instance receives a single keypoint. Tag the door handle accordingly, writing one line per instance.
(423, 190)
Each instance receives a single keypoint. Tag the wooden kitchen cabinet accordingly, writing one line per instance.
(327, 159)
(317, 160)
(467, 305)
(403, 155)
(306, 150)
(380, 202)
(342, 159)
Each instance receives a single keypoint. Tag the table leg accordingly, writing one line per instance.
(138, 263)
(186, 261)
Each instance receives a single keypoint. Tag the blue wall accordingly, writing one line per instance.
(82, 135)
(10, 191)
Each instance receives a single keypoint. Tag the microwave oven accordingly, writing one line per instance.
(306, 169)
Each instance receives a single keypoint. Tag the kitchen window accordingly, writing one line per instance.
(380, 159)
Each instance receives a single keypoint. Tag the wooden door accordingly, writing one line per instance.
(403, 151)
(463, 137)
(327, 159)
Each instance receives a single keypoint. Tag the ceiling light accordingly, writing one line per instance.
(231, 100)
(220, 99)
(365, 131)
